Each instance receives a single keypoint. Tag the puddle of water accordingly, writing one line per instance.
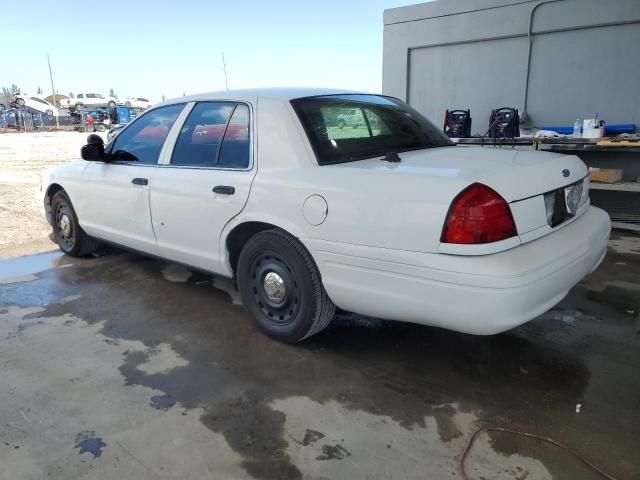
(23, 266)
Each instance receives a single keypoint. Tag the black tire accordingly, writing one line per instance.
(340, 124)
(305, 308)
(71, 239)
(2, 107)
(111, 104)
(79, 105)
(20, 101)
(127, 103)
(100, 127)
(49, 113)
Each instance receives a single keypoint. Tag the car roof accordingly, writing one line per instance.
(279, 93)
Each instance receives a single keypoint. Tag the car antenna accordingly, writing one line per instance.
(392, 157)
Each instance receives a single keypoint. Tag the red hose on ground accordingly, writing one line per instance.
(542, 438)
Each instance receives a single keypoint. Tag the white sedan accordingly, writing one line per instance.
(89, 100)
(137, 102)
(388, 219)
(36, 103)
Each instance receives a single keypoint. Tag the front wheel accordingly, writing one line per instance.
(111, 104)
(20, 101)
(281, 287)
(67, 232)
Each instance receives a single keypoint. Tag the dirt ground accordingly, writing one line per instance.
(23, 156)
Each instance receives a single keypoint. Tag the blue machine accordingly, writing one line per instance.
(123, 115)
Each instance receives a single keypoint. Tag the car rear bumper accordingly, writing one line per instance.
(481, 295)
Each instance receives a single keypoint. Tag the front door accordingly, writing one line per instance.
(116, 207)
(204, 184)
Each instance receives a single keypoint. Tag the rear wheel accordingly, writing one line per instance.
(280, 285)
(20, 101)
(111, 104)
(67, 232)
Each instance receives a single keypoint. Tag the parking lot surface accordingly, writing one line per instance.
(23, 156)
(125, 367)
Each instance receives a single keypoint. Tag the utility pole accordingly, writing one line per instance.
(53, 91)
(224, 67)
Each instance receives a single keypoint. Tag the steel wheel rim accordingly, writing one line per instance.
(275, 289)
(64, 227)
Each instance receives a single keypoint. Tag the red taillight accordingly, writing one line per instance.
(478, 215)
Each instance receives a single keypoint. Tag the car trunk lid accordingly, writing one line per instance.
(521, 177)
(514, 174)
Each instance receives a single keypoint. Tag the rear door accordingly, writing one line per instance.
(203, 183)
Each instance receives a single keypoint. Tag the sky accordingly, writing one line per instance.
(151, 48)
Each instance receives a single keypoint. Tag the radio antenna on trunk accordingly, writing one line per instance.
(224, 68)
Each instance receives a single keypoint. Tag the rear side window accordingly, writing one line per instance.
(234, 152)
(344, 128)
(216, 134)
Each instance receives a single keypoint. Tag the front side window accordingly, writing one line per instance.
(216, 134)
(344, 128)
(142, 140)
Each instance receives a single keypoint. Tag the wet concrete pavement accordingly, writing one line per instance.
(125, 367)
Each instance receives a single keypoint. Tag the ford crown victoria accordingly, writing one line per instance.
(386, 218)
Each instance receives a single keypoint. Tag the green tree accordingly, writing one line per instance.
(39, 92)
(71, 95)
(164, 98)
(6, 93)
(112, 93)
(14, 88)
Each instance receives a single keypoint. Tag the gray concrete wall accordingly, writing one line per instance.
(473, 54)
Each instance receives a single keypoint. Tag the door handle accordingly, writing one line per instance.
(224, 190)
(140, 181)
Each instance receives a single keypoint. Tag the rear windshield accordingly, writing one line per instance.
(343, 128)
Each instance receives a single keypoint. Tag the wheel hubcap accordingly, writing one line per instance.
(65, 225)
(64, 228)
(274, 287)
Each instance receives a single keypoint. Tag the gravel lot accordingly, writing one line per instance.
(22, 157)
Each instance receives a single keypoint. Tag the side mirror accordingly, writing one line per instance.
(94, 149)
